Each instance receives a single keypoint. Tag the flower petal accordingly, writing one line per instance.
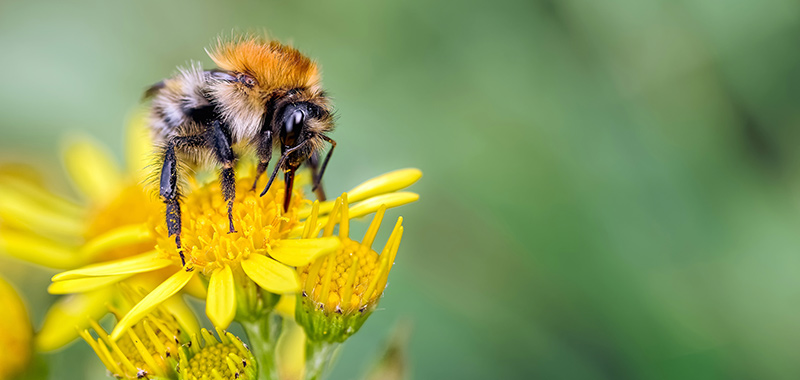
(390, 200)
(386, 183)
(382, 184)
(196, 288)
(39, 194)
(286, 306)
(35, 249)
(59, 327)
(145, 262)
(114, 238)
(29, 207)
(221, 300)
(81, 285)
(271, 275)
(366, 207)
(167, 289)
(184, 314)
(300, 252)
(139, 145)
(92, 169)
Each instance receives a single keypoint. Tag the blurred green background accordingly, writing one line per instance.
(610, 191)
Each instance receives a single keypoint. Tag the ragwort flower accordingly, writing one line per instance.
(150, 348)
(217, 359)
(111, 223)
(267, 245)
(16, 337)
(342, 289)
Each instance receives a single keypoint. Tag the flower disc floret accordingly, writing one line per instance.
(207, 244)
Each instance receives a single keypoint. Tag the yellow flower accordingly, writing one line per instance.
(342, 289)
(224, 359)
(150, 348)
(16, 336)
(113, 222)
(267, 246)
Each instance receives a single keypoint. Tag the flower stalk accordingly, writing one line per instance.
(263, 335)
(319, 357)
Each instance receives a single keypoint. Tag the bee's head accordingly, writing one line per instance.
(254, 74)
(301, 116)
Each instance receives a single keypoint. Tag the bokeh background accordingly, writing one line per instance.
(611, 189)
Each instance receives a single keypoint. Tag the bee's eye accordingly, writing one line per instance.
(247, 80)
(292, 127)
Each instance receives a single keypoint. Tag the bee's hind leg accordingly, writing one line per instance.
(170, 194)
(168, 186)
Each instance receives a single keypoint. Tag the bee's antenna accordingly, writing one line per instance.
(280, 164)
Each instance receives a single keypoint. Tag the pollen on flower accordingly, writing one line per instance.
(207, 243)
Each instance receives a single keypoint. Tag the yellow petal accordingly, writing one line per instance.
(389, 182)
(386, 183)
(92, 169)
(41, 195)
(271, 275)
(81, 285)
(59, 327)
(17, 333)
(145, 262)
(286, 306)
(221, 300)
(139, 145)
(366, 207)
(182, 313)
(300, 252)
(37, 250)
(117, 237)
(27, 206)
(196, 288)
(167, 289)
(390, 200)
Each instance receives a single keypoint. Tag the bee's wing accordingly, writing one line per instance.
(220, 74)
(153, 90)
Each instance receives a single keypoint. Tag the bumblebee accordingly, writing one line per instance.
(262, 94)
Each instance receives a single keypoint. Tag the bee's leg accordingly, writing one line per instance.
(264, 153)
(318, 179)
(313, 164)
(169, 190)
(170, 194)
(221, 145)
(288, 176)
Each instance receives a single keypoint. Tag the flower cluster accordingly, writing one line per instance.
(296, 268)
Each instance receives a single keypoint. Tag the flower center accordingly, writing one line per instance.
(258, 221)
(214, 358)
(352, 269)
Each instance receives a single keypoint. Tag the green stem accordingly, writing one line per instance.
(263, 336)
(319, 357)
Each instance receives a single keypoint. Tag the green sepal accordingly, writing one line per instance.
(321, 326)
